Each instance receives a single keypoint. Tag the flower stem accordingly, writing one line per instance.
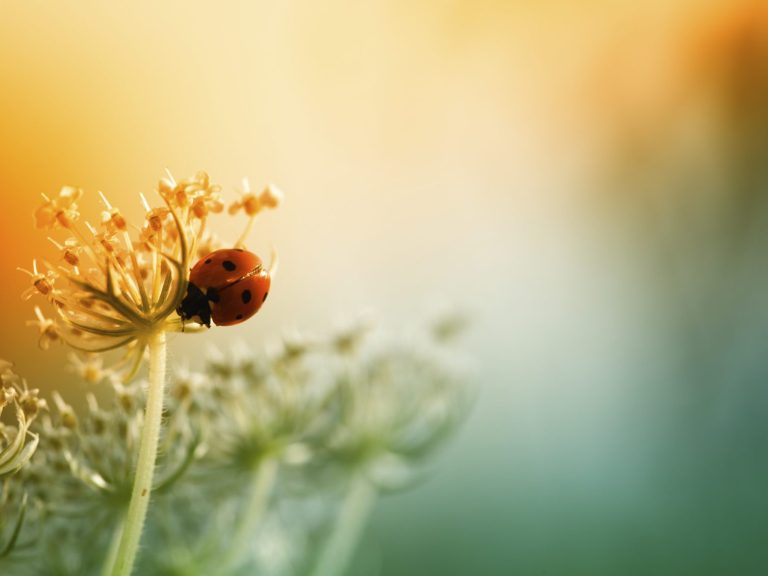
(248, 226)
(341, 544)
(261, 487)
(114, 544)
(145, 467)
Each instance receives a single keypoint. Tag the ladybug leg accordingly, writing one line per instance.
(204, 315)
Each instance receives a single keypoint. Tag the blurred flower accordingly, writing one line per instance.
(254, 448)
(61, 210)
(100, 447)
(252, 203)
(396, 408)
(448, 327)
(47, 328)
(90, 368)
(271, 197)
(17, 444)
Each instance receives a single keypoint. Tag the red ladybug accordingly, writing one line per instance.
(228, 286)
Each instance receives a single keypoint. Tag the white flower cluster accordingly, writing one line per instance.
(261, 453)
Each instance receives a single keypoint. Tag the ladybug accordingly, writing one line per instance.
(228, 286)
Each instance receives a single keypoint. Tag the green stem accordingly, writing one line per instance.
(261, 488)
(145, 467)
(114, 544)
(341, 544)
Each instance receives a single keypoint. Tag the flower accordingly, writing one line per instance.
(42, 283)
(348, 401)
(99, 446)
(271, 196)
(90, 367)
(397, 404)
(256, 451)
(252, 203)
(49, 331)
(116, 283)
(17, 444)
(61, 210)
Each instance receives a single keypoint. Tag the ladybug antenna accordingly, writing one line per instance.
(273, 262)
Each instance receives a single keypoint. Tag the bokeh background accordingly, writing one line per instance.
(588, 179)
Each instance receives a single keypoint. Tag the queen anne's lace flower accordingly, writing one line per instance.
(116, 283)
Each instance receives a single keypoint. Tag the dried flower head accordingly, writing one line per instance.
(117, 283)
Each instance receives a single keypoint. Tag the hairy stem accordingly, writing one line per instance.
(258, 496)
(341, 544)
(145, 467)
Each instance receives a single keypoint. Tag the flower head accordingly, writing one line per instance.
(117, 283)
(17, 444)
(98, 446)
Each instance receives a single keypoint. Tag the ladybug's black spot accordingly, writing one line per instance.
(239, 317)
(208, 261)
(229, 265)
(265, 297)
(246, 296)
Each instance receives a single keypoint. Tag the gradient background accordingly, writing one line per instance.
(587, 178)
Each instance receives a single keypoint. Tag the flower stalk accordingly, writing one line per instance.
(260, 490)
(145, 467)
(114, 546)
(337, 553)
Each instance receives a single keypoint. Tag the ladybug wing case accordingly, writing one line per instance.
(223, 267)
(239, 301)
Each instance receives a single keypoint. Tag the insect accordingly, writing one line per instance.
(228, 286)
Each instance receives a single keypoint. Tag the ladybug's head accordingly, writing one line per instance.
(195, 307)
